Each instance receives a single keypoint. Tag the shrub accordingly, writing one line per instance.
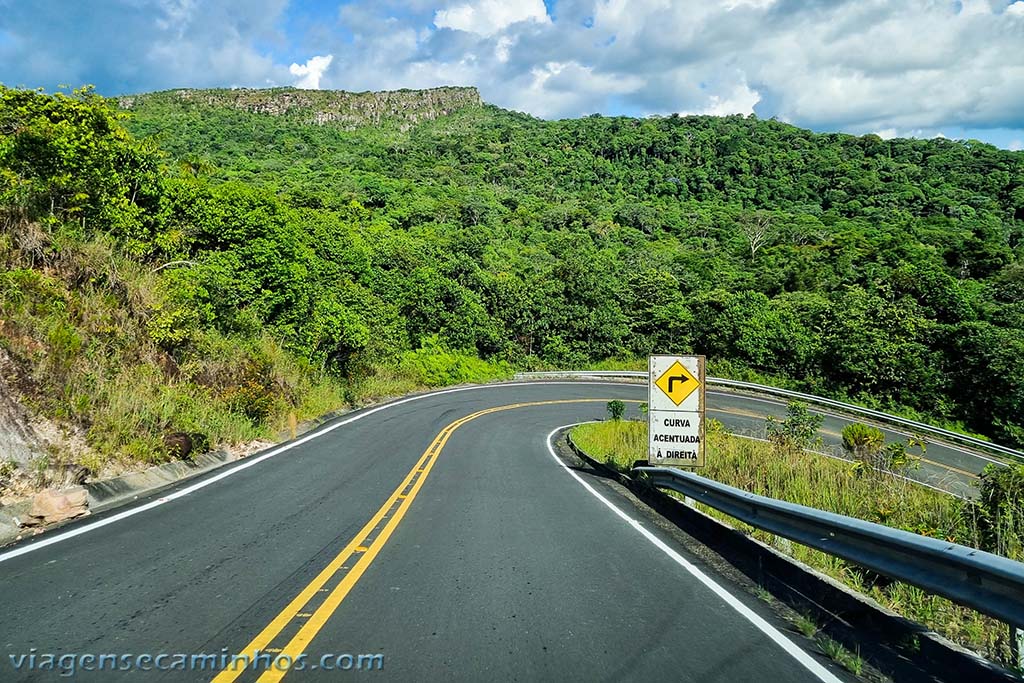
(435, 365)
(799, 429)
(867, 447)
(898, 459)
(253, 392)
(616, 409)
(863, 442)
(999, 510)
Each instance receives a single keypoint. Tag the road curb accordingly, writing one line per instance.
(106, 494)
(850, 617)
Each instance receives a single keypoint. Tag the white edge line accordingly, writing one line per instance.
(49, 540)
(31, 546)
(842, 459)
(774, 634)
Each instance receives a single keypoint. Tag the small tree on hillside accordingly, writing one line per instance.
(757, 228)
(799, 429)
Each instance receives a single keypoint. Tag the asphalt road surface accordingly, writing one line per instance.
(440, 532)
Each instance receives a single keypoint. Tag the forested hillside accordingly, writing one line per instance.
(883, 270)
(350, 243)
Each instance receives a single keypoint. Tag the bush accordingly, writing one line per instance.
(862, 442)
(867, 447)
(999, 510)
(435, 366)
(616, 409)
(897, 459)
(799, 430)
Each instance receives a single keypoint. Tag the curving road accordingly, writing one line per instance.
(442, 532)
(943, 466)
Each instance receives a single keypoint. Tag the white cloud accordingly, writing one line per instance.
(972, 7)
(739, 100)
(501, 50)
(487, 17)
(901, 68)
(555, 88)
(177, 14)
(311, 72)
(919, 133)
(1017, 145)
(756, 4)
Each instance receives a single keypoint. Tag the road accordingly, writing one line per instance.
(440, 531)
(943, 465)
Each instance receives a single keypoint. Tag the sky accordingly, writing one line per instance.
(917, 68)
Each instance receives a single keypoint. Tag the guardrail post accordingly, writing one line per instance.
(1017, 646)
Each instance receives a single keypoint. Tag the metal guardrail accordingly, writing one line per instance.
(988, 583)
(878, 415)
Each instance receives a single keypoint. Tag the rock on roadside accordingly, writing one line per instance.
(51, 506)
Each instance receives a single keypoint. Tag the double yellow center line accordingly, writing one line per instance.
(344, 574)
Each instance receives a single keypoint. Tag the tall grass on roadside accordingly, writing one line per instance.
(75, 319)
(97, 343)
(836, 486)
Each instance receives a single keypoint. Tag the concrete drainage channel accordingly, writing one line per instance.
(105, 494)
(856, 621)
(17, 522)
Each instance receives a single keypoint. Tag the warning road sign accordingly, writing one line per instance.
(677, 383)
(676, 410)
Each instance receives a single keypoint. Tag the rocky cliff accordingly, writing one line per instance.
(19, 442)
(348, 109)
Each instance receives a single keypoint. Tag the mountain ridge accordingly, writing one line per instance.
(406, 107)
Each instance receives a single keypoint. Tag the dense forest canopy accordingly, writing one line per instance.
(887, 271)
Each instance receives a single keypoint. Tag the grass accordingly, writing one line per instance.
(382, 383)
(77, 325)
(831, 485)
(835, 651)
(805, 625)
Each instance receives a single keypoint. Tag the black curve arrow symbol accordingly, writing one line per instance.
(676, 378)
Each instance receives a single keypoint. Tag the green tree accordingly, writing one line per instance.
(797, 431)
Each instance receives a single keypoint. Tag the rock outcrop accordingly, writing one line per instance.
(320, 107)
(19, 442)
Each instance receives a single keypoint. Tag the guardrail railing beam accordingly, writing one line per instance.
(913, 425)
(988, 583)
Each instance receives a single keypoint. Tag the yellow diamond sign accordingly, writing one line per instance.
(677, 383)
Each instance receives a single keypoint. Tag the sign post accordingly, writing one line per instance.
(675, 409)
